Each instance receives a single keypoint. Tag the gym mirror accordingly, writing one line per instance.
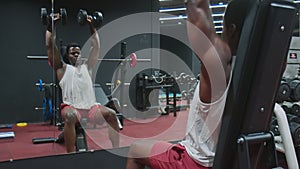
(129, 73)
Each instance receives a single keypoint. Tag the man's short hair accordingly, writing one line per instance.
(66, 51)
(70, 45)
(236, 12)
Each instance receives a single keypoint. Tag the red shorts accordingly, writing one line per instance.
(83, 113)
(175, 157)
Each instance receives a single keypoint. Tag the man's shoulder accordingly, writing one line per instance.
(222, 48)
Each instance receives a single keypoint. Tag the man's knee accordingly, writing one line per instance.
(135, 147)
(101, 114)
(134, 150)
(70, 116)
(108, 114)
(141, 149)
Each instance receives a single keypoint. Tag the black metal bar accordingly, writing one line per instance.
(41, 57)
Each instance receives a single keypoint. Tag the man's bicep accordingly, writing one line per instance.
(93, 57)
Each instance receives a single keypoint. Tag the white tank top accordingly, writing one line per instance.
(77, 87)
(203, 127)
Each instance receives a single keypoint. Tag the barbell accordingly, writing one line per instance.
(132, 60)
(45, 18)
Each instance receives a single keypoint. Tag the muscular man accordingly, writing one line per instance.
(197, 149)
(74, 76)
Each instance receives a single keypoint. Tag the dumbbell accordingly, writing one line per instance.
(295, 132)
(179, 78)
(287, 107)
(191, 91)
(295, 88)
(45, 16)
(293, 118)
(193, 80)
(97, 18)
(284, 92)
(169, 79)
(184, 94)
(274, 126)
(186, 78)
(295, 109)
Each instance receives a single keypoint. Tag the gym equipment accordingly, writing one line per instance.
(274, 126)
(295, 109)
(110, 102)
(286, 137)
(179, 79)
(284, 92)
(291, 108)
(97, 18)
(133, 60)
(146, 83)
(8, 134)
(294, 127)
(295, 130)
(113, 103)
(287, 107)
(120, 73)
(80, 144)
(188, 84)
(5, 126)
(45, 18)
(43, 140)
(49, 108)
(252, 92)
(294, 124)
(47, 100)
(80, 140)
(184, 94)
(295, 88)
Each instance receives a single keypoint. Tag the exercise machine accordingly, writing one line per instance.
(263, 46)
(50, 110)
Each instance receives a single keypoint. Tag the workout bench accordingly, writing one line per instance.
(113, 103)
(259, 66)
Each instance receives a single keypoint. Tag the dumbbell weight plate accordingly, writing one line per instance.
(191, 92)
(284, 92)
(179, 78)
(286, 108)
(97, 19)
(44, 17)
(295, 131)
(295, 89)
(63, 15)
(296, 92)
(184, 94)
(82, 17)
(295, 109)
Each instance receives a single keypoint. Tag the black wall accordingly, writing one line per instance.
(179, 49)
(22, 34)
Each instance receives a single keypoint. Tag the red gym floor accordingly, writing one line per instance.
(166, 127)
